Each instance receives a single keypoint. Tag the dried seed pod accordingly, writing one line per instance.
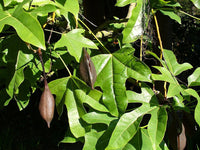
(47, 104)
(87, 69)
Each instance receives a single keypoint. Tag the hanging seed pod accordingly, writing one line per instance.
(87, 70)
(47, 104)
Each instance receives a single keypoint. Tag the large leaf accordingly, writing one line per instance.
(194, 79)
(122, 3)
(134, 27)
(91, 139)
(157, 126)
(127, 127)
(141, 141)
(192, 92)
(17, 58)
(112, 71)
(74, 42)
(158, 120)
(174, 67)
(26, 26)
(73, 93)
(72, 6)
(166, 75)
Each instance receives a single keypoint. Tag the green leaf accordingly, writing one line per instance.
(74, 42)
(26, 26)
(72, 6)
(72, 93)
(196, 3)
(74, 111)
(172, 15)
(134, 27)
(8, 2)
(112, 71)
(165, 75)
(193, 93)
(194, 78)
(43, 10)
(91, 139)
(127, 127)
(122, 3)
(146, 96)
(141, 141)
(17, 58)
(157, 126)
(174, 67)
(95, 117)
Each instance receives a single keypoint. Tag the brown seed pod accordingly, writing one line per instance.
(47, 104)
(87, 69)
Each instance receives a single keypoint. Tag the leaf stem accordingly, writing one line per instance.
(158, 33)
(161, 47)
(64, 63)
(141, 41)
(189, 15)
(94, 36)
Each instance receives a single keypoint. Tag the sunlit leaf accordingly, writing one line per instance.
(75, 41)
(174, 67)
(73, 93)
(112, 72)
(140, 141)
(127, 127)
(196, 3)
(134, 27)
(95, 117)
(157, 126)
(193, 93)
(26, 26)
(194, 79)
(167, 76)
(91, 139)
(172, 15)
(122, 3)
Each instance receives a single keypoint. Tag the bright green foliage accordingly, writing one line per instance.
(107, 117)
(122, 3)
(194, 79)
(134, 26)
(27, 27)
(74, 42)
(114, 69)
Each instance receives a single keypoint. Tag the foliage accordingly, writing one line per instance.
(110, 116)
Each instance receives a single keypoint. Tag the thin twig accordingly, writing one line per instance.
(88, 20)
(189, 15)
(94, 36)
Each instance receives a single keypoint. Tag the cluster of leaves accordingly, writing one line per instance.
(107, 117)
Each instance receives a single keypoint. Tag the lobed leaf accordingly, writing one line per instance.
(127, 127)
(174, 67)
(74, 93)
(74, 42)
(112, 71)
